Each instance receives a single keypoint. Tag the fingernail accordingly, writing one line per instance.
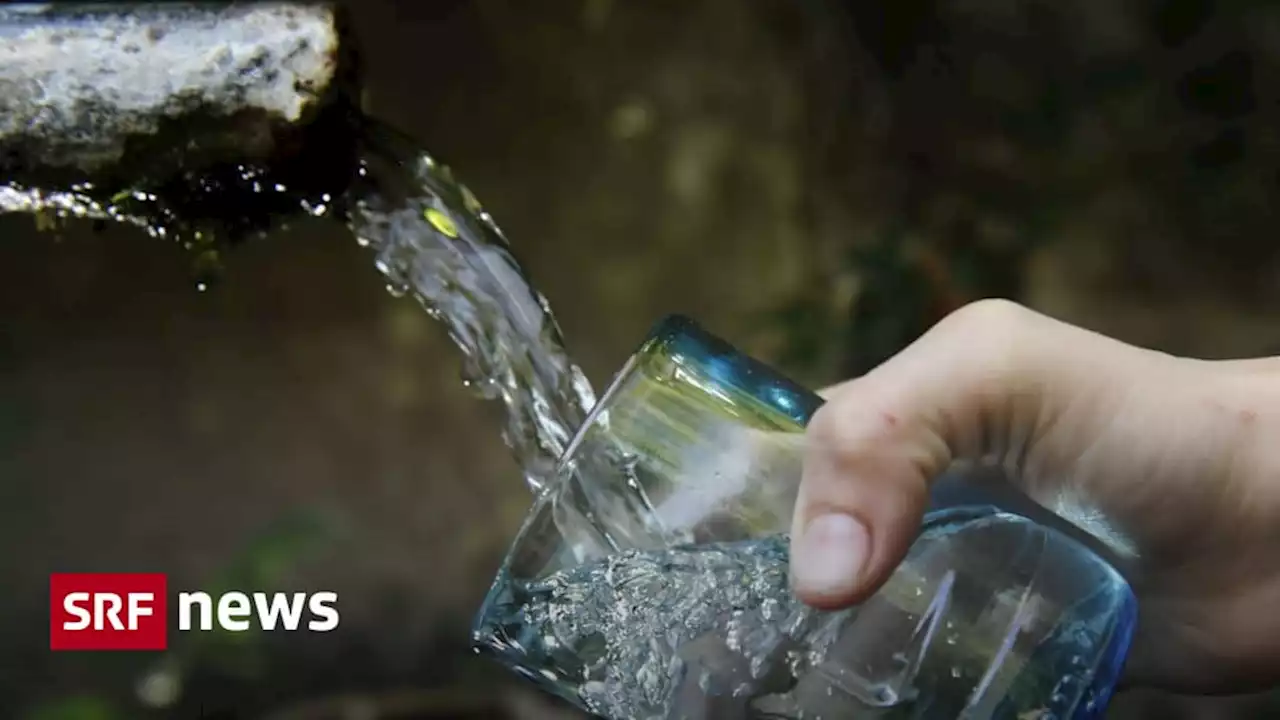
(828, 560)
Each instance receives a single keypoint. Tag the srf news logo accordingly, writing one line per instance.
(130, 611)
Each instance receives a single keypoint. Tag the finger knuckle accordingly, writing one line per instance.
(990, 332)
(826, 428)
(995, 350)
(990, 316)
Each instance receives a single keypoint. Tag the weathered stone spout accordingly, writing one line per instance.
(178, 96)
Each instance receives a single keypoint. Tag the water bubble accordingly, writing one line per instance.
(769, 608)
(704, 681)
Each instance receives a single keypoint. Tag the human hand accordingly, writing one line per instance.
(1179, 457)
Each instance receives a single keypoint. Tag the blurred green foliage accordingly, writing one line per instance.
(77, 708)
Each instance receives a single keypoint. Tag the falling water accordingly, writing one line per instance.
(435, 242)
(431, 239)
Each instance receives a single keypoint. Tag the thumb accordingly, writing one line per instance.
(981, 385)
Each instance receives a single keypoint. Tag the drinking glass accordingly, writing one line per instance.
(650, 578)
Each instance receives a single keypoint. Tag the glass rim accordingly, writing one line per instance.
(707, 352)
(701, 353)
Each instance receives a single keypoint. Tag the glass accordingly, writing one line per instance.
(650, 579)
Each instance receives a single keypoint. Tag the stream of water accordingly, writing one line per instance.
(434, 242)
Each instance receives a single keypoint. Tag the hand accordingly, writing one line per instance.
(1180, 457)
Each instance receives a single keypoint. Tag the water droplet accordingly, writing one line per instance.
(207, 267)
(441, 222)
(469, 201)
(482, 387)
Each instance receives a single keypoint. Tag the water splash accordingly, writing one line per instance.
(696, 632)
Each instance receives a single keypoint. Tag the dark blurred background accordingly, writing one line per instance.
(817, 180)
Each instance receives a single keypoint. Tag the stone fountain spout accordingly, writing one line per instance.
(176, 96)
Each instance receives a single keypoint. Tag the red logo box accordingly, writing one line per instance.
(108, 611)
